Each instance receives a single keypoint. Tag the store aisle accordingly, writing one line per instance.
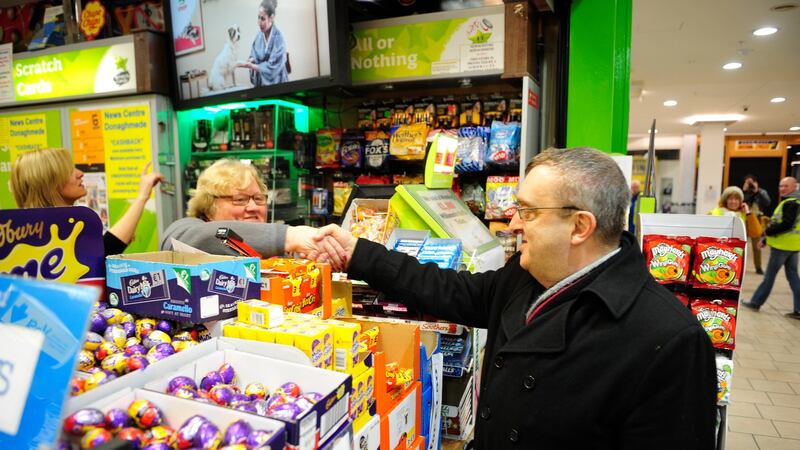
(765, 396)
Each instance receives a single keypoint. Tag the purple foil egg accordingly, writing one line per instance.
(256, 391)
(137, 362)
(313, 396)
(112, 315)
(228, 373)
(185, 436)
(222, 394)
(290, 389)
(116, 335)
(182, 336)
(98, 324)
(83, 420)
(248, 408)
(153, 358)
(183, 392)
(92, 341)
(304, 404)
(210, 380)
(260, 406)
(286, 411)
(156, 337)
(275, 400)
(132, 341)
(165, 326)
(95, 438)
(157, 446)
(136, 349)
(133, 435)
(130, 329)
(117, 419)
(238, 399)
(258, 438)
(208, 436)
(164, 349)
(180, 381)
(237, 433)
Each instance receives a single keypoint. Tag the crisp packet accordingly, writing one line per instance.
(328, 142)
(376, 150)
(352, 150)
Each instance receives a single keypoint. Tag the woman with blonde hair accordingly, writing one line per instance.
(47, 177)
(732, 203)
(231, 194)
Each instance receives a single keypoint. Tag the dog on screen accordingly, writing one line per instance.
(225, 63)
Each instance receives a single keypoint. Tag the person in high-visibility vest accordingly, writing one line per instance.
(783, 237)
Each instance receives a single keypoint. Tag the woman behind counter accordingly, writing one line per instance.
(268, 62)
(47, 177)
(231, 194)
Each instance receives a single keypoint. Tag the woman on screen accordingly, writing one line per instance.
(268, 62)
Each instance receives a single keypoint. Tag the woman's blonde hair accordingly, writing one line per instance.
(730, 191)
(221, 179)
(37, 175)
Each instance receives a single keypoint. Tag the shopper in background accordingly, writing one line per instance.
(47, 177)
(584, 348)
(231, 194)
(636, 187)
(269, 61)
(731, 203)
(783, 237)
(758, 201)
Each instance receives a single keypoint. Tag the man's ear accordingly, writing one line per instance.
(584, 226)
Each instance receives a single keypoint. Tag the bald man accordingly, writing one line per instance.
(783, 237)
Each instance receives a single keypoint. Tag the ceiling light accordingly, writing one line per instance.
(725, 129)
(713, 118)
(765, 31)
(794, 129)
(732, 66)
(778, 99)
(670, 103)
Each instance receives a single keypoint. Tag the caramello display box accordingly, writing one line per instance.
(181, 286)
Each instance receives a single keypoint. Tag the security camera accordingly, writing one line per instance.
(745, 108)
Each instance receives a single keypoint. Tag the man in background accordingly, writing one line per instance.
(636, 187)
(758, 201)
(783, 238)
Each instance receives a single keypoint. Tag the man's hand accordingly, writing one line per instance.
(148, 182)
(335, 246)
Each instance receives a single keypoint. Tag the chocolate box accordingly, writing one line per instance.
(181, 286)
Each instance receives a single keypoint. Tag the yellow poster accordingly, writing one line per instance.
(126, 144)
(23, 133)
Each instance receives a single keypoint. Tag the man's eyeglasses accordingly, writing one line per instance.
(243, 200)
(528, 214)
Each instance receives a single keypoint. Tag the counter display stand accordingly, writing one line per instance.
(696, 226)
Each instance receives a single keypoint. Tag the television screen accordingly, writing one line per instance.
(225, 46)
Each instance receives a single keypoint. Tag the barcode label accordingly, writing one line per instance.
(257, 318)
(341, 359)
(333, 416)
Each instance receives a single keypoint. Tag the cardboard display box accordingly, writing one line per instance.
(368, 434)
(181, 286)
(178, 410)
(400, 427)
(315, 425)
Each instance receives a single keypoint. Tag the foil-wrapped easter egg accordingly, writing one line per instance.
(95, 438)
(256, 391)
(77, 386)
(159, 434)
(106, 348)
(180, 346)
(131, 341)
(165, 326)
(248, 408)
(183, 336)
(183, 392)
(84, 420)
(157, 446)
(127, 317)
(85, 360)
(136, 349)
(117, 363)
(286, 411)
(237, 433)
(202, 333)
(304, 403)
(183, 438)
(130, 329)
(289, 389)
(258, 438)
(98, 378)
(137, 362)
(238, 399)
(222, 394)
(180, 381)
(313, 397)
(135, 436)
(228, 373)
(156, 337)
(117, 419)
(144, 327)
(208, 436)
(210, 380)
(113, 316)
(92, 341)
(276, 399)
(261, 407)
(237, 447)
(145, 414)
(116, 335)
(97, 323)
(164, 349)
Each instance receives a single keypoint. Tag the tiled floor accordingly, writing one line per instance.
(764, 412)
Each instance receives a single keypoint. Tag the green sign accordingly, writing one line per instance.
(431, 45)
(86, 71)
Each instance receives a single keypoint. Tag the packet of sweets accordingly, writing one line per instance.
(724, 379)
(718, 318)
(718, 263)
(667, 257)
(501, 197)
(328, 142)
(352, 150)
(408, 142)
(376, 150)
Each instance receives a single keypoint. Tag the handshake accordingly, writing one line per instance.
(330, 244)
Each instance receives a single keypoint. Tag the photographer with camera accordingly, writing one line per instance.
(758, 200)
